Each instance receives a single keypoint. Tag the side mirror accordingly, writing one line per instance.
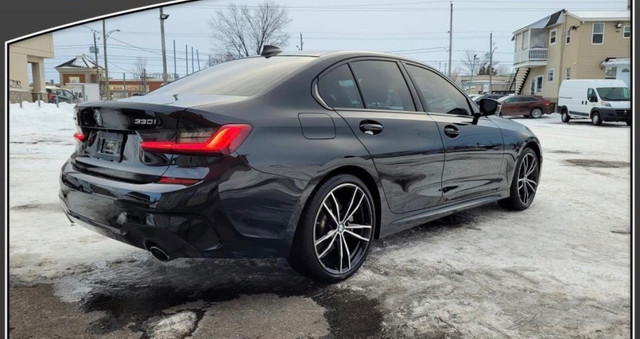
(593, 98)
(487, 107)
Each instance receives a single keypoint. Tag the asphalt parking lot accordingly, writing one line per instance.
(559, 269)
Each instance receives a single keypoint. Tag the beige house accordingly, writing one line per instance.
(571, 45)
(25, 54)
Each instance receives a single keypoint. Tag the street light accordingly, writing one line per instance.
(106, 35)
(163, 17)
(473, 68)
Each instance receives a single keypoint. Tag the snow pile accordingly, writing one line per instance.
(176, 326)
(31, 123)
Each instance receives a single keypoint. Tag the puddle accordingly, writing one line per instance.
(42, 207)
(597, 163)
(559, 151)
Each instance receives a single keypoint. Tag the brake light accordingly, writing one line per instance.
(546, 102)
(79, 136)
(51, 96)
(180, 181)
(225, 140)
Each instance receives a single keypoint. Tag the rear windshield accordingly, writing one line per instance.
(614, 93)
(244, 77)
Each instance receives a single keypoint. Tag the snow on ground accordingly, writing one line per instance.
(560, 268)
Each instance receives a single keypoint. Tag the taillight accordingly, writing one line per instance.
(79, 136)
(224, 140)
(179, 181)
(51, 96)
(546, 102)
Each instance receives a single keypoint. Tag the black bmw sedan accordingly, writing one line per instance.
(304, 156)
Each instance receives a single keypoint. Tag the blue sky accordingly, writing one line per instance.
(417, 29)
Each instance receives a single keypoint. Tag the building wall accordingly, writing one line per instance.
(590, 55)
(25, 54)
(534, 72)
(554, 62)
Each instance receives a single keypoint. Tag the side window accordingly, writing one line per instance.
(591, 95)
(382, 85)
(438, 94)
(338, 89)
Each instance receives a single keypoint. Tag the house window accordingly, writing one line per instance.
(74, 80)
(550, 75)
(552, 36)
(539, 84)
(597, 35)
(626, 32)
(569, 36)
(525, 40)
(567, 73)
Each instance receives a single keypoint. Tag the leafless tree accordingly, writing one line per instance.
(139, 68)
(140, 72)
(481, 64)
(219, 58)
(243, 31)
(470, 65)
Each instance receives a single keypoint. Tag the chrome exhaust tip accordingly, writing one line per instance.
(159, 254)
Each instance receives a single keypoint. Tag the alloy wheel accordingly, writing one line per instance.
(536, 113)
(343, 228)
(527, 178)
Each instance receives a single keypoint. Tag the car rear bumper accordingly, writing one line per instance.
(184, 221)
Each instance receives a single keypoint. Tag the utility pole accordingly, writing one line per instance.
(490, 60)
(107, 90)
(192, 61)
(175, 67)
(186, 58)
(198, 56)
(124, 85)
(450, 36)
(95, 53)
(163, 17)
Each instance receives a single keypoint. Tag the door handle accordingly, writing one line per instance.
(451, 131)
(371, 127)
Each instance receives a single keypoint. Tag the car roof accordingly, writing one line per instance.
(345, 55)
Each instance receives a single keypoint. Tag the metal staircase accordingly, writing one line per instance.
(519, 79)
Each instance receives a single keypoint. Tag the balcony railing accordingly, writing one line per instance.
(531, 54)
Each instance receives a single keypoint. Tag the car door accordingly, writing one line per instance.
(473, 150)
(404, 143)
(508, 106)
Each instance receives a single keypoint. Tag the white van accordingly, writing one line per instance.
(598, 100)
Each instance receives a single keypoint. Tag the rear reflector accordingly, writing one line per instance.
(79, 136)
(179, 181)
(225, 140)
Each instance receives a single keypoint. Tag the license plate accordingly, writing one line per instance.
(111, 147)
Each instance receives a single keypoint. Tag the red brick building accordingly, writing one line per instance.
(80, 69)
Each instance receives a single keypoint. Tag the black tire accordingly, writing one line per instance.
(536, 113)
(319, 258)
(518, 199)
(595, 119)
(564, 115)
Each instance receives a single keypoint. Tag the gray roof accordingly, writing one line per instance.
(81, 61)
